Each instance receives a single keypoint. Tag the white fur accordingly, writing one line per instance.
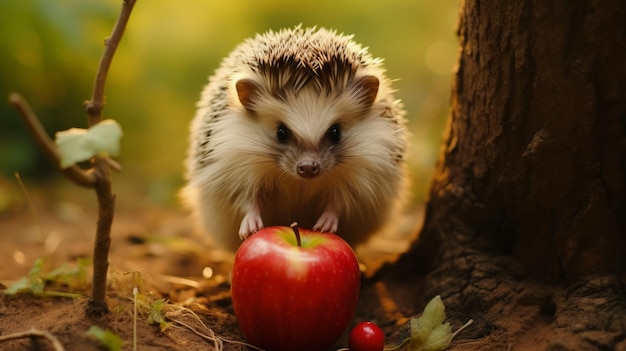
(248, 172)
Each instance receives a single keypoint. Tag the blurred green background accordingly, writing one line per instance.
(49, 52)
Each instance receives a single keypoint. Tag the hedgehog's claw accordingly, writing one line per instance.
(328, 222)
(251, 222)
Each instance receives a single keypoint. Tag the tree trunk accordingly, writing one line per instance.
(525, 229)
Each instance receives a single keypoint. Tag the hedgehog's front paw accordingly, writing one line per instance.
(251, 222)
(328, 222)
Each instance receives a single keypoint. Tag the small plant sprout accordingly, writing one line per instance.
(429, 332)
(37, 280)
(96, 143)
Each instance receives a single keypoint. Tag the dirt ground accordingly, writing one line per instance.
(153, 249)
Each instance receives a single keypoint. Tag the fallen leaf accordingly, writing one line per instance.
(430, 332)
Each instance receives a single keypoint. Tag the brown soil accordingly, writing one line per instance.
(153, 249)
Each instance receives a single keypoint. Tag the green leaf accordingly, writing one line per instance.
(21, 285)
(157, 316)
(32, 283)
(37, 267)
(428, 331)
(36, 281)
(434, 314)
(109, 339)
(439, 338)
(78, 144)
(74, 278)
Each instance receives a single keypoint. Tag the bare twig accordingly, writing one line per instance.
(34, 333)
(96, 104)
(106, 200)
(106, 208)
(74, 173)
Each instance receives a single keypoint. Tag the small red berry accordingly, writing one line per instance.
(366, 336)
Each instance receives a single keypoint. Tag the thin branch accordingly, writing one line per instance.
(34, 333)
(74, 173)
(96, 104)
(106, 199)
(97, 305)
(98, 177)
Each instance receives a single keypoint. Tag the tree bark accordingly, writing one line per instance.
(526, 220)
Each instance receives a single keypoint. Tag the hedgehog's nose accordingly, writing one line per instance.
(308, 169)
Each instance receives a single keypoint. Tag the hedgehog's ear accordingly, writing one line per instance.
(366, 89)
(247, 91)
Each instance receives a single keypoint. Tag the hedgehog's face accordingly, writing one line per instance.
(306, 134)
(309, 129)
(307, 159)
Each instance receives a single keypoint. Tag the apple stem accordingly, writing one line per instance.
(296, 231)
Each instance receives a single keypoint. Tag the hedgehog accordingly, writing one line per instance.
(298, 125)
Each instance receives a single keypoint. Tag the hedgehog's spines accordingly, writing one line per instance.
(290, 59)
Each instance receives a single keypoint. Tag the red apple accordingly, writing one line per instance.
(290, 297)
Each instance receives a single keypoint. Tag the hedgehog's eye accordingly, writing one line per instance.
(282, 133)
(334, 132)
